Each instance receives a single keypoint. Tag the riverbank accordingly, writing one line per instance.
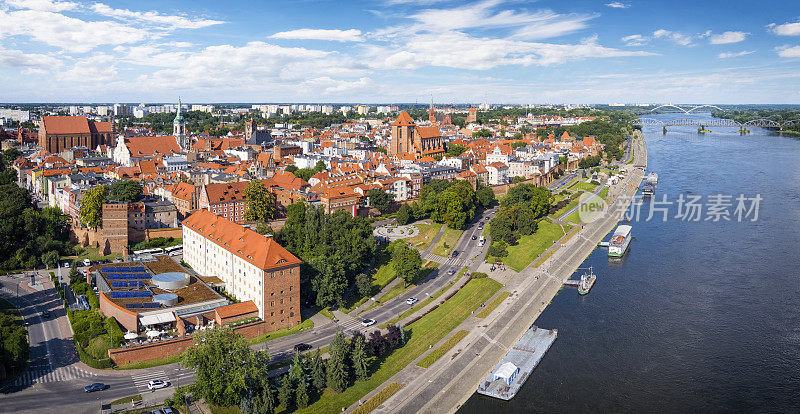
(449, 382)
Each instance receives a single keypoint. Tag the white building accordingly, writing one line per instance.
(498, 173)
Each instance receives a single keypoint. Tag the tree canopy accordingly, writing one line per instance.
(380, 199)
(406, 262)
(450, 202)
(125, 190)
(260, 202)
(91, 210)
(520, 209)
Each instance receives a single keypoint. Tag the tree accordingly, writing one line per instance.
(454, 150)
(301, 400)
(483, 133)
(394, 336)
(406, 262)
(359, 358)
(377, 343)
(91, 211)
(364, 284)
(498, 249)
(485, 196)
(380, 199)
(337, 364)
(318, 377)
(260, 202)
(125, 190)
(404, 214)
(74, 275)
(320, 166)
(285, 393)
(225, 366)
(50, 259)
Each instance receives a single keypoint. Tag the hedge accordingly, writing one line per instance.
(378, 398)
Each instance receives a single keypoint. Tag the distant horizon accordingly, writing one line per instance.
(423, 104)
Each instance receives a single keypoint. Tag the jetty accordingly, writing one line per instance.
(513, 370)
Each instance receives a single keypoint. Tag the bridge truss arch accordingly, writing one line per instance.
(647, 122)
(669, 106)
(765, 123)
(705, 106)
(791, 123)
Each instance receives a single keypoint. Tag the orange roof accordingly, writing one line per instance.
(285, 180)
(236, 309)
(429, 132)
(404, 119)
(66, 125)
(183, 191)
(265, 253)
(226, 192)
(147, 146)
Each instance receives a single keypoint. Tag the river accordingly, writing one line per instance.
(698, 316)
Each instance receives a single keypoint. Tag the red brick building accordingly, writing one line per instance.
(57, 133)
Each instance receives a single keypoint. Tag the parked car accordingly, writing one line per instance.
(368, 322)
(87, 262)
(156, 384)
(168, 410)
(455, 253)
(97, 386)
(302, 347)
(156, 411)
(117, 260)
(411, 301)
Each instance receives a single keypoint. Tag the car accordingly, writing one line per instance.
(45, 313)
(480, 227)
(168, 410)
(474, 237)
(87, 262)
(302, 347)
(455, 253)
(156, 384)
(411, 301)
(368, 322)
(451, 272)
(156, 411)
(97, 386)
(117, 260)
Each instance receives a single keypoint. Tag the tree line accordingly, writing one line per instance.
(453, 203)
(518, 216)
(229, 373)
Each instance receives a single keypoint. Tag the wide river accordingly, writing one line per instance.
(698, 316)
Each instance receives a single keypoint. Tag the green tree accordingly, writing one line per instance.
(337, 364)
(364, 284)
(91, 210)
(380, 199)
(301, 399)
(125, 190)
(285, 393)
(50, 259)
(498, 249)
(404, 214)
(318, 377)
(406, 262)
(260, 202)
(359, 358)
(485, 196)
(454, 150)
(225, 367)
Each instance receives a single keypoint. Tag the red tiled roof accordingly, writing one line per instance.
(236, 309)
(404, 119)
(66, 125)
(248, 245)
(147, 146)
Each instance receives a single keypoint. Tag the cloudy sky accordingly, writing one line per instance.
(376, 51)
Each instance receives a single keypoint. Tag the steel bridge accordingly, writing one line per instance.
(686, 111)
(716, 122)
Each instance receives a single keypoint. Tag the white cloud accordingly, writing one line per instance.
(728, 37)
(788, 51)
(94, 69)
(786, 29)
(65, 32)
(726, 55)
(17, 58)
(171, 21)
(635, 40)
(351, 35)
(617, 5)
(680, 38)
(43, 5)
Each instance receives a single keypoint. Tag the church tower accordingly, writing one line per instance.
(402, 134)
(179, 129)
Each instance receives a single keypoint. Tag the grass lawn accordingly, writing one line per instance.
(448, 241)
(149, 363)
(547, 255)
(378, 398)
(528, 247)
(423, 333)
(401, 287)
(425, 302)
(582, 185)
(490, 307)
(569, 206)
(603, 193)
(91, 253)
(441, 350)
(124, 400)
(304, 326)
(8, 307)
(426, 234)
(588, 210)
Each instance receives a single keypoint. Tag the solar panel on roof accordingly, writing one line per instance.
(151, 305)
(133, 306)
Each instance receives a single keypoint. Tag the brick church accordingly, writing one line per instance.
(57, 133)
(407, 137)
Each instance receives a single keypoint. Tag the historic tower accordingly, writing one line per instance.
(179, 129)
(402, 134)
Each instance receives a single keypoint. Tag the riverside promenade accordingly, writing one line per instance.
(449, 382)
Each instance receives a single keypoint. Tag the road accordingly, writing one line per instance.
(55, 378)
(446, 384)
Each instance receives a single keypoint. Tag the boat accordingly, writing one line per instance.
(603, 244)
(587, 281)
(652, 178)
(619, 241)
(648, 190)
(515, 368)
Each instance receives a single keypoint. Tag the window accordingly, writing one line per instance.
(291, 314)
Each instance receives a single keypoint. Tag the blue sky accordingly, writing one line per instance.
(400, 51)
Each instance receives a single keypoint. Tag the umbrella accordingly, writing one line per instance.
(131, 335)
(153, 334)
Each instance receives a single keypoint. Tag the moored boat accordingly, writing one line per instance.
(620, 241)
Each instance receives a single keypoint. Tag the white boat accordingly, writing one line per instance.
(652, 179)
(619, 241)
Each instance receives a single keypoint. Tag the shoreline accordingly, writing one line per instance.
(447, 384)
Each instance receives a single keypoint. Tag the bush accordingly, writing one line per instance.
(498, 249)
(478, 275)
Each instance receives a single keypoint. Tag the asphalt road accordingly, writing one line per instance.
(53, 379)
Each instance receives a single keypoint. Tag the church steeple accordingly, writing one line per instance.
(179, 129)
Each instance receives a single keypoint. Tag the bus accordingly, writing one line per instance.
(177, 249)
(149, 251)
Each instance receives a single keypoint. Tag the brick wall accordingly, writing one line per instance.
(176, 232)
(115, 229)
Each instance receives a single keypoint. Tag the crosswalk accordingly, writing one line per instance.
(140, 380)
(41, 375)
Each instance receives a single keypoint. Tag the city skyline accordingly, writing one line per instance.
(398, 51)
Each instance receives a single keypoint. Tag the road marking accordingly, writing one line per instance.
(140, 380)
(43, 375)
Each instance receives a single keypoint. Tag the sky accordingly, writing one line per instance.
(401, 51)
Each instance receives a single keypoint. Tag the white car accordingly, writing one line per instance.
(368, 322)
(156, 384)
(411, 301)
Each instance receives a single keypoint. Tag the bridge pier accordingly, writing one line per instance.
(665, 130)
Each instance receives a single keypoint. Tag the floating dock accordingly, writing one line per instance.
(513, 370)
